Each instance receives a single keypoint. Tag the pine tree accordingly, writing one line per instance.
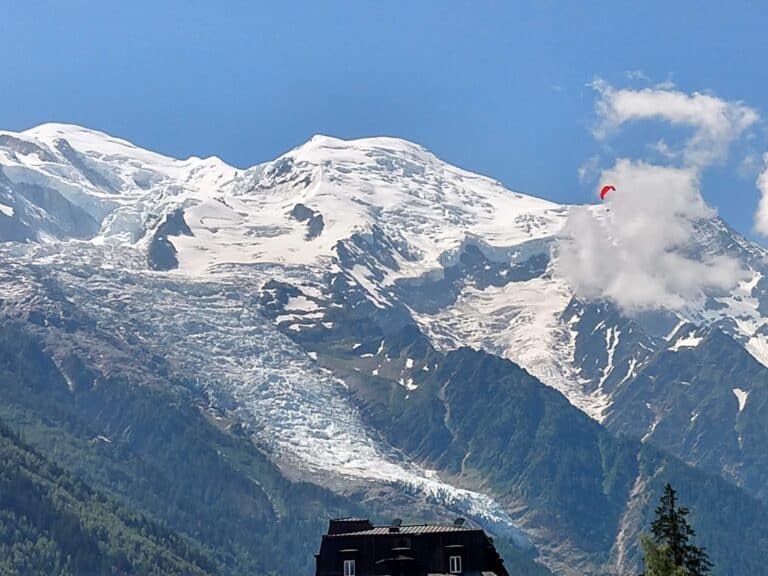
(672, 537)
(658, 560)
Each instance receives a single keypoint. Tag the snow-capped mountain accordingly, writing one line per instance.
(254, 283)
(316, 208)
(297, 410)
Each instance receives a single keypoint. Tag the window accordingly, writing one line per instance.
(349, 568)
(454, 565)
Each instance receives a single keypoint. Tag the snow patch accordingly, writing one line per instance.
(300, 304)
(611, 343)
(741, 396)
(757, 346)
(631, 370)
(408, 384)
(674, 330)
(689, 341)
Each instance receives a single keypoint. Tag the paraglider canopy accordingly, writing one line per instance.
(605, 191)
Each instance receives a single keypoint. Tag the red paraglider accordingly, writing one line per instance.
(605, 191)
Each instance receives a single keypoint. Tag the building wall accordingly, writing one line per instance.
(430, 553)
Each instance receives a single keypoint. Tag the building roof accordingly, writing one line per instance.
(407, 529)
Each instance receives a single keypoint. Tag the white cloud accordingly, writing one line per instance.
(761, 216)
(663, 149)
(590, 170)
(750, 166)
(716, 123)
(637, 75)
(634, 255)
(667, 84)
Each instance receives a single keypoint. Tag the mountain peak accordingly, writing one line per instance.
(80, 138)
(323, 149)
(62, 129)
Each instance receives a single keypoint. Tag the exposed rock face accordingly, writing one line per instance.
(313, 219)
(161, 254)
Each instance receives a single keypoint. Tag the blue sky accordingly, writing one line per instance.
(501, 88)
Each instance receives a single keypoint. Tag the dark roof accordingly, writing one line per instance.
(347, 525)
(409, 529)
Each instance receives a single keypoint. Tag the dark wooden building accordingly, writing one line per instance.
(355, 547)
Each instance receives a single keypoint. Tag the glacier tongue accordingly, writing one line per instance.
(299, 412)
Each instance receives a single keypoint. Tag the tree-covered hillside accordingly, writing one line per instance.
(53, 524)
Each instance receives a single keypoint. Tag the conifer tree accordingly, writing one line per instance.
(658, 561)
(672, 538)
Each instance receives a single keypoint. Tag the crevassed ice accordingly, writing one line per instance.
(300, 412)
